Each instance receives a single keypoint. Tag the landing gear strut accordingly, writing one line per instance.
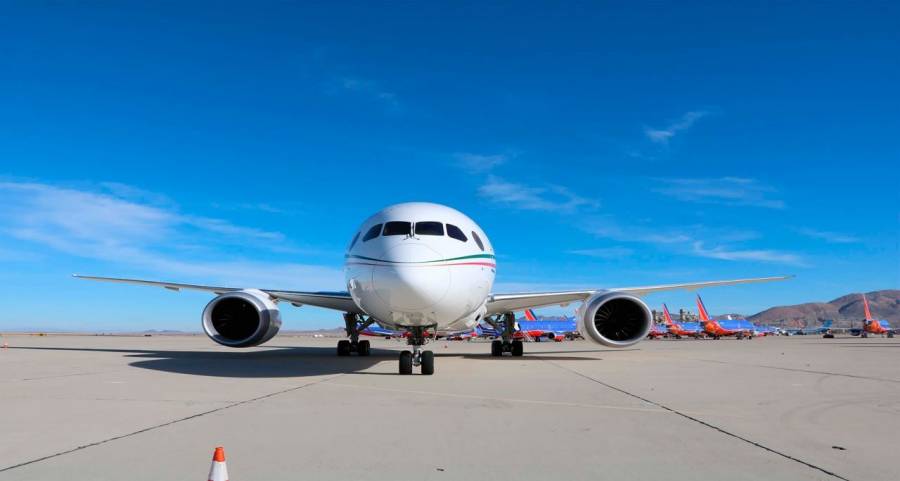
(418, 357)
(353, 324)
(508, 344)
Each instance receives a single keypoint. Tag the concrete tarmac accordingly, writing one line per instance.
(153, 408)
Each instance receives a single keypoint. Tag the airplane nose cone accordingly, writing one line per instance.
(415, 280)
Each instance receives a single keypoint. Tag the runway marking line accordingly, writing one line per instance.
(168, 423)
(702, 422)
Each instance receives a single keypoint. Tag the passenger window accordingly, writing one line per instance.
(353, 242)
(373, 232)
(397, 228)
(429, 228)
(456, 233)
(477, 240)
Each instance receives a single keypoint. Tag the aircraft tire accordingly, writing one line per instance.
(890, 334)
(427, 363)
(343, 348)
(518, 348)
(363, 348)
(496, 348)
(405, 362)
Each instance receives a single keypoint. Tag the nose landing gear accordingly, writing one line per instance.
(418, 357)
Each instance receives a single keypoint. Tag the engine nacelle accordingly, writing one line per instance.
(614, 319)
(241, 318)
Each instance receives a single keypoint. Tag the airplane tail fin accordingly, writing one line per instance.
(827, 324)
(701, 310)
(529, 314)
(866, 308)
(666, 316)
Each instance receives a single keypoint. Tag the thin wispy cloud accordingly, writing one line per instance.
(479, 163)
(735, 191)
(549, 197)
(101, 226)
(609, 228)
(731, 254)
(604, 252)
(686, 241)
(685, 122)
(827, 236)
(369, 89)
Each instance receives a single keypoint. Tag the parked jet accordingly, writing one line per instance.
(657, 330)
(420, 268)
(804, 331)
(536, 328)
(375, 330)
(873, 326)
(717, 329)
(679, 330)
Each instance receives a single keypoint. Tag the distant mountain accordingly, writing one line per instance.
(843, 310)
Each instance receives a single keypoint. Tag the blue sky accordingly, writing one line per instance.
(598, 145)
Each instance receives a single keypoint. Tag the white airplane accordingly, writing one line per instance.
(423, 268)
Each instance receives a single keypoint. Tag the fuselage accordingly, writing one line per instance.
(685, 329)
(421, 264)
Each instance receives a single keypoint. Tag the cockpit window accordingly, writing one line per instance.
(397, 228)
(456, 233)
(477, 240)
(429, 228)
(353, 242)
(373, 232)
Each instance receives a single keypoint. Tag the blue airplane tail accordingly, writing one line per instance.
(827, 323)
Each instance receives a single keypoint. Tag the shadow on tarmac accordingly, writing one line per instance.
(283, 362)
(267, 363)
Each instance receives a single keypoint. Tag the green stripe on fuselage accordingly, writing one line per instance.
(473, 256)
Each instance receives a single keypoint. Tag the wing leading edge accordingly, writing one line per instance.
(340, 301)
(499, 303)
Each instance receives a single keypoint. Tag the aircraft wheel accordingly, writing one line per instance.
(890, 334)
(864, 334)
(405, 362)
(363, 348)
(343, 348)
(496, 348)
(517, 348)
(427, 363)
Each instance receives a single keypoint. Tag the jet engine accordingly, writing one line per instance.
(614, 319)
(241, 318)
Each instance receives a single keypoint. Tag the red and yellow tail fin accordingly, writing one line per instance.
(666, 316)
(866, 308)
(701, 310)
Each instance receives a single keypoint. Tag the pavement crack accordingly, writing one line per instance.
(701, 422)
(168, 423)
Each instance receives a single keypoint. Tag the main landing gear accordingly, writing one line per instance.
(508, 344)
(418, 357)
(353, 324)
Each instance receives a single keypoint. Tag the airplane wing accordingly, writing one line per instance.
(499, 303)
(340, 301)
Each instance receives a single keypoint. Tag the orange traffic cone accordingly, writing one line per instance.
(218, 471)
